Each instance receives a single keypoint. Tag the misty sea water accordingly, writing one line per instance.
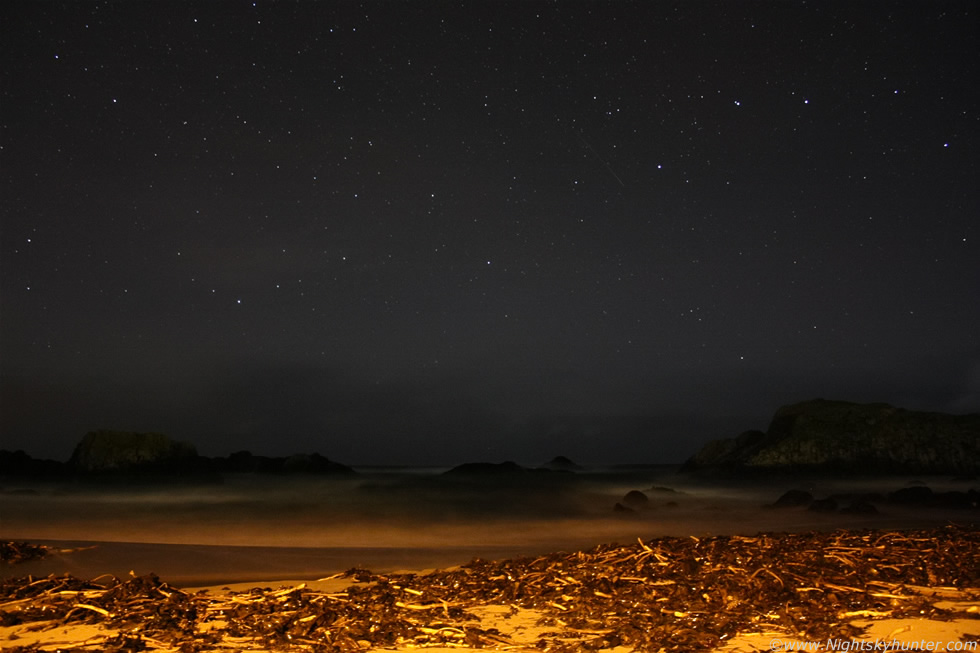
(251, 526)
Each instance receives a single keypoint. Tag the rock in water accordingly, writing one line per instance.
(123, 451)
(636, 500)
(915, 495)
(18, 463)
(313, 464)
(793, 499)
(561, 464)
(842, 437)
(487, 469)
(823, 505)
(860, 507)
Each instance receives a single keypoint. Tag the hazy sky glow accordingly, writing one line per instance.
(409, 232)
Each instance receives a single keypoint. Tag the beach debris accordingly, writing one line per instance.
(13, 553)
(667, 594)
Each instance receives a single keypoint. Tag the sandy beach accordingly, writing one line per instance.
(532, 326)
(837, 591)
(548, 564)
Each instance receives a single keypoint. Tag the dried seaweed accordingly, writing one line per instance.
(670, 594)
(13, 553)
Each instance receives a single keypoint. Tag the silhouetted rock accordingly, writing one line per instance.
(842, 437)
(102, 452)
(793, 499)
(851, 497)
(623, 510)
(313, 463)
(915, 495)
(155, 457)
(636, 500)
(822, 505)
(487, 469)
(860, 507)
(953, 499)
(923, 497)
(18, 463)
(245, 462)
(561, 464)
(721, 452)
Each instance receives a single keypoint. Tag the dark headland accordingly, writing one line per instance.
(109, 454)
(843, 438)
(719, 557)
(818, 437)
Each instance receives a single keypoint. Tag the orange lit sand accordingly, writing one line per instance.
(522, 629)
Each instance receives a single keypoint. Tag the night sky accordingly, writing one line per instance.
(436, 232)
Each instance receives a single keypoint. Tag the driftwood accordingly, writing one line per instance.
(670, 594)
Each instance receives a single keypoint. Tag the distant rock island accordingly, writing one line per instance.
(842, 437)
(510, 468)
(120, 451)
(117, 454)
(562, 464)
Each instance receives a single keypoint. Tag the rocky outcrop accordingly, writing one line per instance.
(561, 464)
(18, 463)
(916, 496)
(313, 463)
(154, 456)
(636, 500)
(246, 462)
(508, 468)
(124, 451)
(725, 451)
(793, 499)
(249, 463)
(842, 437)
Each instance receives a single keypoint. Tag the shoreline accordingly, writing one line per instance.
(688, 594)
(200, 565)
(313, 528)
(195, 563)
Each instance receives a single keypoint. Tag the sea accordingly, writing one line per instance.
(265, 528)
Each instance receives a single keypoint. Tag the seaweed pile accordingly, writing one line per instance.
(13, 553)
(667, 594)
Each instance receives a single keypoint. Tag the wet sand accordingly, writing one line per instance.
(269, 533)
(190, 565)
(553, 611)
(250, 527)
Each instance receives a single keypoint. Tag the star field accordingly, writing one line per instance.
(400, 233)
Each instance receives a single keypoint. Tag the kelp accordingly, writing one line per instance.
(12, 553)
(666, 594)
